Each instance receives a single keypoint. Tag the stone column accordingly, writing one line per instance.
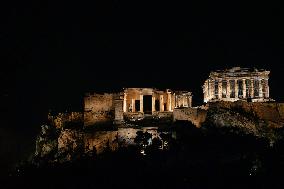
(173, 101)
(207, 96)
(141, 103)
(133, 105)
(244, 88)
(228, 89)
(260, 88)
(236, 89)
(267, 88)
(153, 103)
(210, 91)
(161, 103)
(252, 88)
(176, 101)
(219, 89)
(169, 103)
(124, 102)
(189, 101)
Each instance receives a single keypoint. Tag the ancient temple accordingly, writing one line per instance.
(149, 100)
(133, 103)
(237, 84)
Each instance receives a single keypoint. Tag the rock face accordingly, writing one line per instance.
(46, 142)
(62, 120)
(70, 142)
(62, 145)
(258, 119)
(263, 120)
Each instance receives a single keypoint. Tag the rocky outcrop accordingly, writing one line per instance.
(70, 144)
(270, 112)
(46, 142)
(58, 145)
(259, 119)
(65, 120)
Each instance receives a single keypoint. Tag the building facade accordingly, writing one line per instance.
(133, 103)
(237, 84)
(149, 100)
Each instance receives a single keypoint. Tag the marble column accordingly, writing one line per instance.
(161, 103)
(133, 105)
(244, 88)
(236, 89)
(176, 101)
(228, 89)
(267, 88)
(211, 90)
(153, 103)
(173, 100)
(169, 103)
(141, 103)
(260, 88)
(124, 102)
(252, 88)
(219, 89)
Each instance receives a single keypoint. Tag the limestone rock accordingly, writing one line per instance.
(46, 142)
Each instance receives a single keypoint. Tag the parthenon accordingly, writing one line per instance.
(237, 84)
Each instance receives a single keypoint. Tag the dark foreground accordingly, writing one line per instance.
(196, 159)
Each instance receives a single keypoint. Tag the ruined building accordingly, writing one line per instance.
(237, 84)
(133, 103)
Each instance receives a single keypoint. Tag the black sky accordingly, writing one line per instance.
(51, 53)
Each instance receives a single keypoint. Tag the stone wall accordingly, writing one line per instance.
(133, 116)
(163, 114)
(99, 109)
(101, 140)
(195, 115)
(99, 102)
(118, 114)
(126, 136)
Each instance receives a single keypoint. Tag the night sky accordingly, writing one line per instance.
(52, 53)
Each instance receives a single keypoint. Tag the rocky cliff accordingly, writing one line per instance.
(259, 119)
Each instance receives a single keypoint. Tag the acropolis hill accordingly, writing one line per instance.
(236, 98)
(244, 88)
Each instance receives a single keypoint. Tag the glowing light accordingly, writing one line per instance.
(143, 152)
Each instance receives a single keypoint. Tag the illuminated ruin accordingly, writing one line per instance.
(133, 103)
(237, 84)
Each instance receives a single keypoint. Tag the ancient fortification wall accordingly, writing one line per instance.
(270, 112)
(101, 140)
(195, 115)
(99, 108)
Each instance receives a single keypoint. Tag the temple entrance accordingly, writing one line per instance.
(137, 105)
(157, 105)
(147, 104)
